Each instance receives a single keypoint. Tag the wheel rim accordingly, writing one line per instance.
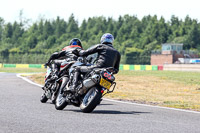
(60, 99)
(88, 98)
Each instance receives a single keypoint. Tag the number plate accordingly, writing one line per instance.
(106, 84)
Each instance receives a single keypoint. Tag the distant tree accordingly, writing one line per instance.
(133, 55)
(41, 30)
(83, 29)
(47, 30)
(193, 38)
(32, 41)
(59, 27)
(24, 22)
(8, 30)
(1, 29)
(17, 32)
(72, 26)
(134, 38)
(163, 31)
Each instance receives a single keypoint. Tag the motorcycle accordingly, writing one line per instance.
(90, 90)
(51, 85)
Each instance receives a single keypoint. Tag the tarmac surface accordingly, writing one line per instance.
(21, 111)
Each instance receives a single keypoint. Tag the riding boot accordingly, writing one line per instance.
(75, 82)
(55, 72)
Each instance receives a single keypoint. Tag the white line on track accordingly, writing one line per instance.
(146, 105)
(124, 102)
(28, 80)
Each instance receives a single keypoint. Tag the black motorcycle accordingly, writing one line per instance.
(52, 84)
(91, 88)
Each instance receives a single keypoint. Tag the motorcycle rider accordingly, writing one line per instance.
(64, 56)
(107, 57)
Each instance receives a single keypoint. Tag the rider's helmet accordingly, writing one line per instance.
(75, 41)
(107, 38)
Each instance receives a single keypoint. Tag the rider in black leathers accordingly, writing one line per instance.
(107, 57)
(64, 55)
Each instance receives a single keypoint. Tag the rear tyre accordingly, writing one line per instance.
(91, 100)
(43, 98)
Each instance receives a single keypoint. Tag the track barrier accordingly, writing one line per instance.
(122, 67)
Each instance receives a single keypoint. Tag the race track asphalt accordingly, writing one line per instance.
(21, 111)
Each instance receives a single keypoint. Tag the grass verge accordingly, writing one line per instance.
(22, 70)
(164, 88)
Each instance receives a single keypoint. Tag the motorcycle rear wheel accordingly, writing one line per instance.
(91, 100)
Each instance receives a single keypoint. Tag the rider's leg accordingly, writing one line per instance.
(78, 70)
(56, 68)
(75, 78)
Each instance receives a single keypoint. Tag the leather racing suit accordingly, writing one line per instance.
(63, 56)
(107, 57)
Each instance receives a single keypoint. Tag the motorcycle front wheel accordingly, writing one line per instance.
(60, 102)
(91, 100)
(43, 98)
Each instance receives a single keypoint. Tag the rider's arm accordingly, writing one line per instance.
(117, 64)
(89, 51)
(56, 55)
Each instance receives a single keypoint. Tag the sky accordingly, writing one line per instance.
(83, 9)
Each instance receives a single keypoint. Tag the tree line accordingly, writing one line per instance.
(135, 38)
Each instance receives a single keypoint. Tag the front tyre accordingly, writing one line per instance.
(53, 98)
(43, 98)
(60, 102)
(91, 100)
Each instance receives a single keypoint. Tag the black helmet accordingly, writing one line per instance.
(75, 41)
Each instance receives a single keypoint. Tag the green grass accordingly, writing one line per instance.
(175, 89)
(22, 70)
(177, 76)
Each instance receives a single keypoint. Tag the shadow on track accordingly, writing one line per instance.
(110, 112)
(118, 112)
(105, 104)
